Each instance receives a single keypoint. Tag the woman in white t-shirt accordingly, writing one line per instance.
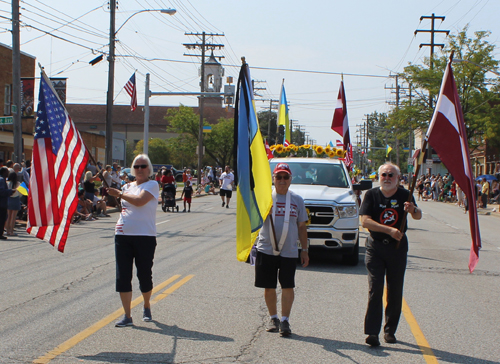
(135, 236)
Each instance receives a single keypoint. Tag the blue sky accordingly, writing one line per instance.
(358, 38)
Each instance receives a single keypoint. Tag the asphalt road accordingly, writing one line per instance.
(60, 308)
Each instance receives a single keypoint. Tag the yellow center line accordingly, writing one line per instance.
(429, 356)
(171, 289)
(68, 344)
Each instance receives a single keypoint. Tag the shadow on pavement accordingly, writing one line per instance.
(336, 347)
(174, 331)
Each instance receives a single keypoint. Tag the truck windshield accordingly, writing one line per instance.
(331, 175)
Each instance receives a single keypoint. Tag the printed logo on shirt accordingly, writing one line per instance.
(280, 207)
(389, 217)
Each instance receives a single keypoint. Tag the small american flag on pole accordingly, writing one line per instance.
(132, 91)
(59, 159)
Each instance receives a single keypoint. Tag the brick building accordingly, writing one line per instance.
(6, 130)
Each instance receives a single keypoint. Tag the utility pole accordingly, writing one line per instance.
(254, 88)
(16, 84)
(111, 86)
(431, 45)
(398, 89)
(203, 46)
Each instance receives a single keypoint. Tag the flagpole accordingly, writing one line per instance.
(412, 188)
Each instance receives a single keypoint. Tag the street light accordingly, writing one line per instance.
(111, 74)
(456, 60)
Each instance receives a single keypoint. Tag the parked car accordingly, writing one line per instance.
(331, 205)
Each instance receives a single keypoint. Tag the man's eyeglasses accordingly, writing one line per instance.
(286, 177)
(390, 175)
(143, 166)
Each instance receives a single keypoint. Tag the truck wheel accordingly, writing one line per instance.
(353, 258)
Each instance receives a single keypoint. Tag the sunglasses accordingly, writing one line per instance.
(286, 177)
(143, 166)
(390, 175)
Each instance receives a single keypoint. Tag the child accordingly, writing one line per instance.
(187, 192)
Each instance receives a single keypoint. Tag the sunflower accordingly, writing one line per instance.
(272, 147)
(295, 148)
(306, 146)
(340, 153)
(287, 149)
(319, 149)
(331, 154)
(328, 150)
(279, 148)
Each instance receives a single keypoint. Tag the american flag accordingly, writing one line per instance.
(59, 160)
(339, 143)
(132, 91)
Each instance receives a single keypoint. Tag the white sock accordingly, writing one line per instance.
(284, 318)
(274, 316)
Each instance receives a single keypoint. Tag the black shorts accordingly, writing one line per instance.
(268, 268)
(227, 193)
(130, 248)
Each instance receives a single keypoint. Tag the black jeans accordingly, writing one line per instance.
(3, 218)
(384, 260)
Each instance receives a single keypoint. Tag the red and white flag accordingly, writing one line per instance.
(286, 143)
(132, 91)
(59, 160)
(339, 143)
(447, 135)
(269, 151)
(348, 157)
(340, 124)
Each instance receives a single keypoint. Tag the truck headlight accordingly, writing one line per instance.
(347, 211)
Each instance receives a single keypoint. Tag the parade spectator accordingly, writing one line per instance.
(135, 236)
(420, 188)
(5, 192)
(382, 214)
(277, 249)
(485, 193)
(460, 197)
(89, 185)
(167, 179)
(99, 205)
(226, 186)
(187, 192)
(495, 191)
(84, 206)
(209, 188)
(497, 171)
(13, 204)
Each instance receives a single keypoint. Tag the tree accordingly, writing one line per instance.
(157, 150)
(478, 94)
(266, 117)
(218, 144)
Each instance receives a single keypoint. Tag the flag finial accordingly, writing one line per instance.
(243, 61)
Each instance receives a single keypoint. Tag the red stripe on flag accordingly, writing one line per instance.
(447, 135)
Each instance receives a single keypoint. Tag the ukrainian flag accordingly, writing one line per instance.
(253, 173)
(23, 189)
(283, 118)
(388, 150)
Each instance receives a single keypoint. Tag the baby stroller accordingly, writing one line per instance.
(168, 198)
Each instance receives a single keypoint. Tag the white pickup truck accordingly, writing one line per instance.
(329, 196)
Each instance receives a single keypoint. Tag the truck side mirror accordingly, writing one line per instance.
(363, 185)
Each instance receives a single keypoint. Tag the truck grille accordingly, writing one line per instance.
(320, 215)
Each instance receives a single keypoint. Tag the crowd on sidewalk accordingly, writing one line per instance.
(445, 189)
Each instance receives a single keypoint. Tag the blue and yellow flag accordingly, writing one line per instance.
(283, 118)
(388, 150)
(252, 170)
(23, 189)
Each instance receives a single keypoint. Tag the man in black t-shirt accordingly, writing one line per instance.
(382, 213)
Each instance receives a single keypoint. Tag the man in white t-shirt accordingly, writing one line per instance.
(226, 186)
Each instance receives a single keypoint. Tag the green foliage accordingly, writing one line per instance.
(157, 150)
(185, 123)
(478, 95)
(266, 117)
(129, 153)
